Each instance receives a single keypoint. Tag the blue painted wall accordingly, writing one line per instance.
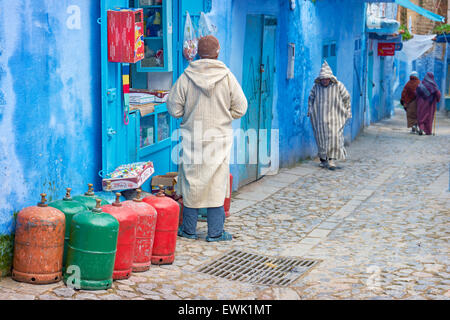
(49, 101)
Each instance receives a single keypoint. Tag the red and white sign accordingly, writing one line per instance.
(386, 49)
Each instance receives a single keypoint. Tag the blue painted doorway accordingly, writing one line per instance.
(258, 75)
(144, 137)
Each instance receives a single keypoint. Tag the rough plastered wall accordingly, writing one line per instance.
(49, 104)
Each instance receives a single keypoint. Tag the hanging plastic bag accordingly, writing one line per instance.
(190, 41)
(205, 27)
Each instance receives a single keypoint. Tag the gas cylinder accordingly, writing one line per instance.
(126, 241)
(39, 244)
(145, 232)
(108, 195)
(166, 227)
(69, 208)
(180, 204)
(227, 203)
(88, 199)
(92, 250)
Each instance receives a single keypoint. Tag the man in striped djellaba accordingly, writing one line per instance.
(329, 109)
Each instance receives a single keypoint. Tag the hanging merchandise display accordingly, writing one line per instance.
(69, 208)
(92, 250)
(127, 237)
(165, 240)
(89, 198)
(205, 27)
(125, 35)
(190, 41)
(145, 232)
(39, 244)
(126, 91)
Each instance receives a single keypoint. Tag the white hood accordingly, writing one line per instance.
(205, 73)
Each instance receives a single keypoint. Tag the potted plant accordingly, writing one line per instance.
(406, 35)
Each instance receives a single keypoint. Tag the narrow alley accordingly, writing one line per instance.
(378, 227)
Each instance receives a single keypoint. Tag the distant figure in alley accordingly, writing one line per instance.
(329, 109)
(409, 102)
(428, 95)
(208, 98)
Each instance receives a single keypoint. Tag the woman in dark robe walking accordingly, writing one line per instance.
(409, 102)
(428, 95)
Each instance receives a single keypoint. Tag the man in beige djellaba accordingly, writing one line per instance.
(208, 98)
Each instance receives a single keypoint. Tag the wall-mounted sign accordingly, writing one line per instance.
(398, 46)
(386, 49)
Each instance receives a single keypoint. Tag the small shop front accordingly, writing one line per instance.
(136, 126)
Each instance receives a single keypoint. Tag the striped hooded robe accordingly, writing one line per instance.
(329, 108)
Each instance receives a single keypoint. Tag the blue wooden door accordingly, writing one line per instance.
(267, 76)
(257, 82)
(114, 131)
(251, 85)
(357, 109)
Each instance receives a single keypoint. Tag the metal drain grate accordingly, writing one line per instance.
(257, 269)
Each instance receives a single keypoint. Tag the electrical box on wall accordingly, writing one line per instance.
(291, 61)
(125, 35)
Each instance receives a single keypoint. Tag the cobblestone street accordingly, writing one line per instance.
(379, 226)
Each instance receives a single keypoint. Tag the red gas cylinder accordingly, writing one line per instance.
(166, 227)
(145, 232)
(127, 237)
(180, 204)
(39, 244)
(227, 203)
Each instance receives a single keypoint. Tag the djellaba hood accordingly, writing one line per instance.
(326, 73)
(206, 73)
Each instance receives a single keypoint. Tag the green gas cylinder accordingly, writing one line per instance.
(92, 249)
(69, 208)
(88, 199)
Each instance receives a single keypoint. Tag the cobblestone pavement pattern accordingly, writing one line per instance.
(379, 225)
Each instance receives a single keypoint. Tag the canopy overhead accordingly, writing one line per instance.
(427, 14)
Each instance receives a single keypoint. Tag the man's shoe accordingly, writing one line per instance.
(224, 237)
(183, 234)
(323, 163)
(331, 165)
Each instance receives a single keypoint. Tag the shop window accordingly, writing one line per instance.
(147, 130)
(163, 126)
(329, 53)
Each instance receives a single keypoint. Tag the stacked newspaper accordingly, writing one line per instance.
(141, 98)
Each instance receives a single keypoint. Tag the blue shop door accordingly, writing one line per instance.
(258, 75)
(144, 138)
(114, 131)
